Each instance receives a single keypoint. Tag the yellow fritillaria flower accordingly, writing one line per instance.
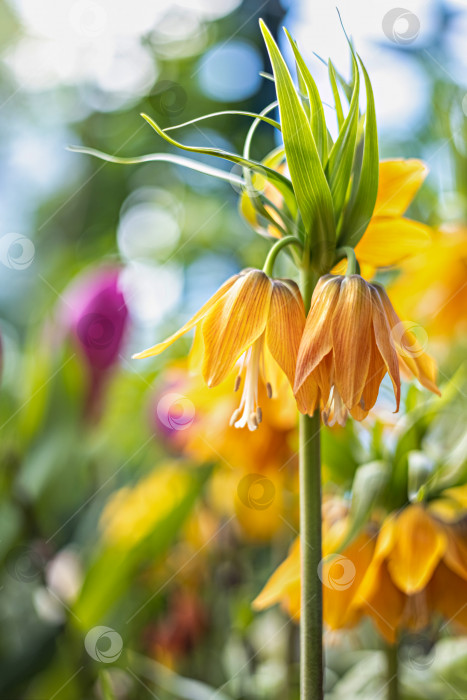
(352, 337)
(414, 569)
(341, 574)
(433, 284)
(391, 237)
(250, 315)
(419, 568)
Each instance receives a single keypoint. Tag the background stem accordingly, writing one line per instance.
(392, 672)
(311, 622)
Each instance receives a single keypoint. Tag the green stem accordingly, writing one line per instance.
(352, 263)
(392, 672)
(276, 248)
(311, 618)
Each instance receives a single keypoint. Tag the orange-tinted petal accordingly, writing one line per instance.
(351, 338)
(384, 341)
(285, 325)
(389, 240)
(413, 359)
(455, 556)
(376, 371)
(234, 323)
(399, 181)
(419, 547)
(307, 397)
(385, 604)
(449, 595)
(199, 315)
(283, 580)
(316, 340)
(341, 577)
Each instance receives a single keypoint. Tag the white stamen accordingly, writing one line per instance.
(335, 409)
(249, 413)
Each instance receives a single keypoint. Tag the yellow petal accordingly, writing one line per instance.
(399, 181)
(384, 545)
(419, 548)
(282, 582)
(385, 605)
(389, 240)
(199, 315)
(316, 340)
(285, 325)
(234, 323)
(412, 358)
(384, 341)
(351, 339)
(341, 577)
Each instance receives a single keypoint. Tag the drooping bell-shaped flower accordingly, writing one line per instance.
(250, 318)
(351, 339)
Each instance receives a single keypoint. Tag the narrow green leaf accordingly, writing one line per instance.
(341, 158)
(363, 197)
(256, 198)
(165, 158)
(337, 97)
(309, 182)
(282, 183)
(369, 482)
(318, 122)
(261, 117)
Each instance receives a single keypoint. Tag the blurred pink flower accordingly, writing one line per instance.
(94, 314)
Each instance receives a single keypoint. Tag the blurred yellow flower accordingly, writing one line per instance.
(419, 568)
(250, 316)
(401, 576)
(340, 573)
(255, 479)
(433, 285)
(133, 511)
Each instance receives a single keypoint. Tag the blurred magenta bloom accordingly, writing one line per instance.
(95, 315)
(98, 316)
